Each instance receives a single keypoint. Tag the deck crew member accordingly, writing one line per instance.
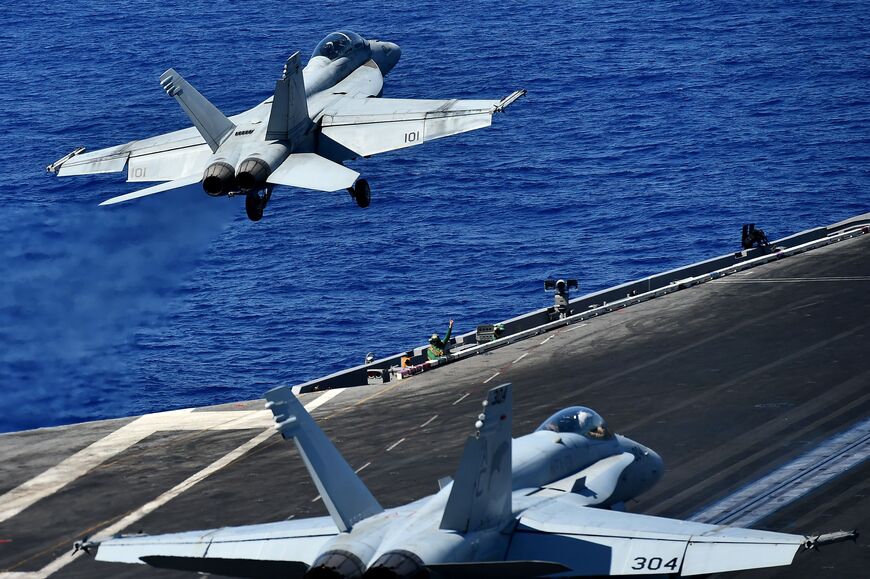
(438, 348)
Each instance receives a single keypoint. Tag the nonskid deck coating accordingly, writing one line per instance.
(727, 381)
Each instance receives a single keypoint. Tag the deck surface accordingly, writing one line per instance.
(727, 380)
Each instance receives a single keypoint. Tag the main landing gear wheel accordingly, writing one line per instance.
(254, 204)
(361, 193)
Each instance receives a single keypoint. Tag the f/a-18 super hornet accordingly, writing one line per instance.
(546, 504)
(318, 117)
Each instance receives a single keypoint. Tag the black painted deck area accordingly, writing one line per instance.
(726, 380)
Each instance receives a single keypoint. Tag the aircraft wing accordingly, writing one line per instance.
(368, 126)
(162, 158)
(593, 541)
(285, 548)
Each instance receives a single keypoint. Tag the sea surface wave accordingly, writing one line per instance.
(650, 133)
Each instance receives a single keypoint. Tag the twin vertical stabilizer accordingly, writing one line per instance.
(289, 114)
(482, 488)
(212, 124)
(346, 497)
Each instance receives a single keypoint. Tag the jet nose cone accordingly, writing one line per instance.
(386, 55)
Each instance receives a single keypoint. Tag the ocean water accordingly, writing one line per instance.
(650, 133)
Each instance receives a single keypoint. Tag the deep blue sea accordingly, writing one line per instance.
(650, 133)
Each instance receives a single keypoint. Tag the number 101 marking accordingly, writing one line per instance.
(412, 137)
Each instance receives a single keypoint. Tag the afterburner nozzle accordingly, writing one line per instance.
(336, 564)
(219, 179)
(252, 174)
(398, 564)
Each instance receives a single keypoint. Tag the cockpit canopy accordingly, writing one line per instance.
(339, 44)
(579, 420)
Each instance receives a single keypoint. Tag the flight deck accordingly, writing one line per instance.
(752, 386)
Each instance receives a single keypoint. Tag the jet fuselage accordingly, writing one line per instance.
(409, 537)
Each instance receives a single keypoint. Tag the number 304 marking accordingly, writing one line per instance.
(654, 564)
(412, 137)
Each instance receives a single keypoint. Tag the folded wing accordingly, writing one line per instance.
(368, 126)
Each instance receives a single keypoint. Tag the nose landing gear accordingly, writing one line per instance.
(254, 204)
(361, 193)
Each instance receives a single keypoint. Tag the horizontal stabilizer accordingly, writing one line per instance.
(482, 488)
(212, 124)
(346, 497)
(230, 567)
(162, 187)
(310, 171)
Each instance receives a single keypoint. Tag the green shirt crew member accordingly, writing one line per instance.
(438, 347)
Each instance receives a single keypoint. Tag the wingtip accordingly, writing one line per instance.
(509, 100)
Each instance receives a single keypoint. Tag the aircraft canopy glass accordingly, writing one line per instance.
(579, 420)
(338, 44)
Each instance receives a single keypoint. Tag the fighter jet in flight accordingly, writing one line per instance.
(548, 503)
(318, 117)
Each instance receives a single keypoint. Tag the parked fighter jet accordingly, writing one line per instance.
(517, 508)
(318, 117)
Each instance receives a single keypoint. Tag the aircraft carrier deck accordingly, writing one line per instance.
(729, 380)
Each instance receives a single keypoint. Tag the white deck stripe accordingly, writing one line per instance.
(491, 377)
(520, 358)
(461, 398)
(395, 444)
(788, 483)
(428, 422)
(166, 423)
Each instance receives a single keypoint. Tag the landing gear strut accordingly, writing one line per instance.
(254, 204)
(361, 192)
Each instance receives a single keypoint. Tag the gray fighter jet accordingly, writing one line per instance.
(546, 504)
(319, 117)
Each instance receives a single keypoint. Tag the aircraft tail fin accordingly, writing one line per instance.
(346, 497)
(482, 488)
(289, 114)
(212, 124)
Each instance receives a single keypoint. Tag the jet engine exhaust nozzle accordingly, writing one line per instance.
(397, 564)
(219, 179)
(252, 174)
(336, 564)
